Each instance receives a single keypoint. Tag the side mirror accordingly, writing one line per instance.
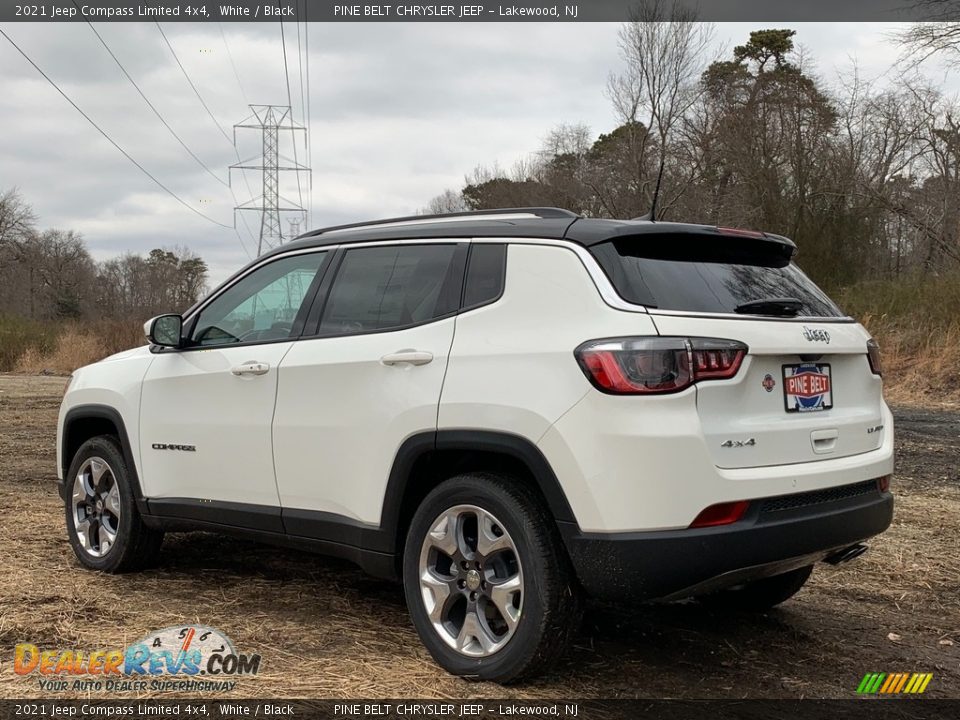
(164, 330)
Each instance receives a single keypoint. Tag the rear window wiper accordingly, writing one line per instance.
(781, 307)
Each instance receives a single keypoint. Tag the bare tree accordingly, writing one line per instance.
(16, 221)
(665, 49)
(924, 40)
(446, 202)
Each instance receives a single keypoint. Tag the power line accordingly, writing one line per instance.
(194, 87)
(152, 107)
(172, 132)
(303, 106)
(216, 122)
(230, 55)
(306, 34)
(286, 72)
(300, 71)
(110, 139)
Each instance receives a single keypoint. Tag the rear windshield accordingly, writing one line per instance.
(714, 280)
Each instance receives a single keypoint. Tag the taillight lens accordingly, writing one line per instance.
(657, 365)
(873, 355)
(721, 514)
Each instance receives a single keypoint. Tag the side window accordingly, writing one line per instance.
(262, 306)
(379, 288)
(485, 273)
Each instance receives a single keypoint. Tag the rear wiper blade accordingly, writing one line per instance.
(781, 307)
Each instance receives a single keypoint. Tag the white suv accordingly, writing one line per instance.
(506, 410)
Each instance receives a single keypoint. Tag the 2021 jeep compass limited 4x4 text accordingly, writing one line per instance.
(504, 409)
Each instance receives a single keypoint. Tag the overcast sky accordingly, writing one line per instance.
(400, 111)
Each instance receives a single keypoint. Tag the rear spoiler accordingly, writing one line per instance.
(685, 241)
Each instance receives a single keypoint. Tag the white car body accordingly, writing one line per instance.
(315, 446)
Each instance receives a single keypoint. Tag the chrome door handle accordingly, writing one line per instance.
(411, 357)
(251, 368)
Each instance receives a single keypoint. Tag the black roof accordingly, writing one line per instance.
(530, 222)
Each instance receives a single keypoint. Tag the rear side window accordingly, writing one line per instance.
(674, 274)
(485, 271)
(382, 288)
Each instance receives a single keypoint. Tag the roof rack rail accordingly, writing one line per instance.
(506, 213)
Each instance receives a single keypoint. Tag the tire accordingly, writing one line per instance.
(524, 570)
(762, 594)
(103, 524)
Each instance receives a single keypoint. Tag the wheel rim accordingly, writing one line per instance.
(471, 580)
(96, 507)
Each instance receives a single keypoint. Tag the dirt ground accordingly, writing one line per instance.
(325, 630)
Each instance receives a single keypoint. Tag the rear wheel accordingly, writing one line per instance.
(103, 524)
(761, 594)
(487, 580)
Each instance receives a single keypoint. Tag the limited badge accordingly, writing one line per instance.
(768, 382)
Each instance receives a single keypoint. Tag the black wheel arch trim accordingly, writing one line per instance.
(465, 440)
(78, 414)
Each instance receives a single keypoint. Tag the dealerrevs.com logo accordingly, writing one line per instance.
(185, 658)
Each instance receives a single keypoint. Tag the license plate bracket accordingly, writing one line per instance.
(807, 387)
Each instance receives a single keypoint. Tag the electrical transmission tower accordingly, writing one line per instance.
(270, 120)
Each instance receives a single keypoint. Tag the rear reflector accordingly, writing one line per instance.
(883, 483)
(657, 365)
(721, 514)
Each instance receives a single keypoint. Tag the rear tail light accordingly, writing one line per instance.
(657, 365)
(721, 514)
(873, 355)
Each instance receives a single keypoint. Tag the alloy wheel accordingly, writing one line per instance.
(96, 507)
(471, 580)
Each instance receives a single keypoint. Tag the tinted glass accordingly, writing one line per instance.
(262, 306)
(703, 282)
(379, 288)
(485, 272)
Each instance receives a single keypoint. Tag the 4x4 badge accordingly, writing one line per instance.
(815, 335)
(739, 443)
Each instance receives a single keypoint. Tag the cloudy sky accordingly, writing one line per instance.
(400, 112)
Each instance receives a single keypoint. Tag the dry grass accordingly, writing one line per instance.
(325, 630)
(917, 322)
(921, 364)
(79, 345)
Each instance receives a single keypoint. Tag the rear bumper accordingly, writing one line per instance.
(776, 535)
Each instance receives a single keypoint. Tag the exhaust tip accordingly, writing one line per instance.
(846, 555)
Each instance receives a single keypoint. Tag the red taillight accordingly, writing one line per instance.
(873, 355)
(721, 514)
(657, 365)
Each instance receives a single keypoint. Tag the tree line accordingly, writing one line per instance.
(864, 176)
(49, 275)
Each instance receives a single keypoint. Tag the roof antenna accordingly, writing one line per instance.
(652, 215)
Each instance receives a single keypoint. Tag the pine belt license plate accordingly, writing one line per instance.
(807, 387)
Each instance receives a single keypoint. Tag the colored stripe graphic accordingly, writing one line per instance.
(894, 683)
(903, 681)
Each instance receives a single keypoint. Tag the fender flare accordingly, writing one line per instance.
(78, 414)
(503, 443)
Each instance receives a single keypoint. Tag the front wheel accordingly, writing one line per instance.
(103, 524)
(487, 580)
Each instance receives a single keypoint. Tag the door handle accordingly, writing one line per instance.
(251, 368)
(411, 357)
